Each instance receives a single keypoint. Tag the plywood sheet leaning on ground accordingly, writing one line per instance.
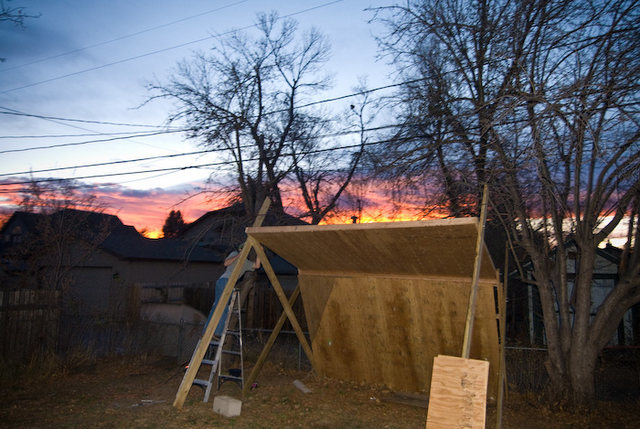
(383, 299)
(458, 393)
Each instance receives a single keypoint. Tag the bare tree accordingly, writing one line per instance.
(320, 172)
(66, 227)
(540, 99)
(15, 15)
(245, 99)
(453, 59)
(570, 163)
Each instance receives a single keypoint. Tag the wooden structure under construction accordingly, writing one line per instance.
(383, 299)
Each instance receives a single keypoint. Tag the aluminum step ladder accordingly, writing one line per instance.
(229, 344)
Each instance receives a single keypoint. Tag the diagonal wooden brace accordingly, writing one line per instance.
(282, 297)
(203, 344)
(269, 344)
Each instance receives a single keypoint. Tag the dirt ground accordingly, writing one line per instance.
(118, 393)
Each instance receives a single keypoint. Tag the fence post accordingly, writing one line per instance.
(180, 339)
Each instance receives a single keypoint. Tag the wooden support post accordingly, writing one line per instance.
(502, 379)
(282, 297)
(203, 344)
(473, 295)
(267, 347)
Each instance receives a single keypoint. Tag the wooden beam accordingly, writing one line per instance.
(203, 344)
(502, 302)
(473, 295)
(277, 288)
(269, 344)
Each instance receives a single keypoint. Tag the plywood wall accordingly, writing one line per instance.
(383, 299)
(388, 330)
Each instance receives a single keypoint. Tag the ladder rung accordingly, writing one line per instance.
(216, 350)
(230, 377)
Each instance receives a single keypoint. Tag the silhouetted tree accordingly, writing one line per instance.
(246, 100)
(173, 225)
(321, 175)
(15, 15)
(539, 99)
(66, 228)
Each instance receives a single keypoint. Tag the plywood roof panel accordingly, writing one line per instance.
(434, 248)
(383, 299)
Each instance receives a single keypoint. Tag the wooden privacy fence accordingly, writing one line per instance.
(29, 322)
(263, 308)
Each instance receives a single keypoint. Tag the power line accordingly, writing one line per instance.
(57, 136)
(9, 111)
(147, 54)
(336, 134)
(87, 142)
(71, 125)
(190, 167)
(126, 36)
(321, 101)
(312, 103)
(103, 164)
(326, 100)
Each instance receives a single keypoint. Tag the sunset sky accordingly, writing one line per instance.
(73, 92)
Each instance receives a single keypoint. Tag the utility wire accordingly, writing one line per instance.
(459, 115)
(70, 125)
(9, 111)
(154, 133)
(102, 164)
(190, 167)
(126, 36)
(96, 134)
(312, 103)
(86, 142)
(158, 51)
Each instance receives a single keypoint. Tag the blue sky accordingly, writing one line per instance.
(91, 60)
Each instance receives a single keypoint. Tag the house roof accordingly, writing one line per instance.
(237, 211)
(121, 240)
(27, 219)
(127, 243)
(224, 229)
(609, 252)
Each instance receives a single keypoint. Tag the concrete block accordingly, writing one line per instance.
(227, 406)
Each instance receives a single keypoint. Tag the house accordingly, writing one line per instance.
(106, 272)
(222, 231)
(99, 256)
(524, 312)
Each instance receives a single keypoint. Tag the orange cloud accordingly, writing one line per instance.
(147, 210)
(144, 209)
(369, 200)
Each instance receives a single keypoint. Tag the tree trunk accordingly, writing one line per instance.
(582, 375)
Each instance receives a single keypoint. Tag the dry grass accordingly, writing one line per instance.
(137, 391)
